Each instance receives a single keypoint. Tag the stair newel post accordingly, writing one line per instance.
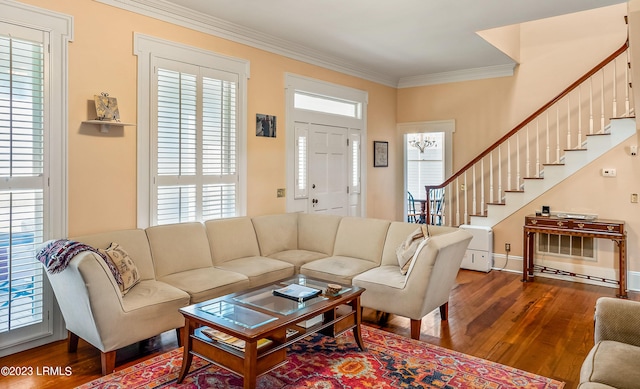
(447, 204)
(427, 210)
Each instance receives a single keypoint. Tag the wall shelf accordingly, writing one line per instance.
(105, 125)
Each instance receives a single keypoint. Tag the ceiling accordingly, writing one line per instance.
(385, 42)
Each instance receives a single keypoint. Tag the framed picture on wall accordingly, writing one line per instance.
(265, 125)
(380, 154)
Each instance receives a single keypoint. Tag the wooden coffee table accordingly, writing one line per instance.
(257, 314)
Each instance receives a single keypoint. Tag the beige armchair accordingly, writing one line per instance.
(94, 309)
(428, 282)
(613, 360)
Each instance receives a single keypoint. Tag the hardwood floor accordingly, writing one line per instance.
(544, 327)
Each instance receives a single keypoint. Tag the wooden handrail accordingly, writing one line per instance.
(526, 121)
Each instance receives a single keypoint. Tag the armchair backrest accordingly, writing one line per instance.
(134, 242)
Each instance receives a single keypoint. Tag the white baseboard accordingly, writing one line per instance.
(514, 264)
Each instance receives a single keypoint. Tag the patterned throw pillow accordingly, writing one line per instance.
(406, 251)
(125, 266)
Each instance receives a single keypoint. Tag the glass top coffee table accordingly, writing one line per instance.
(248, 332)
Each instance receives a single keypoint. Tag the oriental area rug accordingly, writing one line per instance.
(320, 362)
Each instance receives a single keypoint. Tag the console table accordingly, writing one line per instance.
(596, 228)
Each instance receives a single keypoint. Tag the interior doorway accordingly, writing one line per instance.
(427, 156)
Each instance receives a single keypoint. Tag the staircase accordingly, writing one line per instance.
(556, 141)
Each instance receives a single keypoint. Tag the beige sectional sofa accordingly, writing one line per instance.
(185, 263)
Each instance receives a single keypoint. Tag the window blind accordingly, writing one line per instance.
(424, 167)
(21, 181)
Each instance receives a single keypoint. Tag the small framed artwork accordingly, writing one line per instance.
(380, 154)
(107, 107)
(265, 125)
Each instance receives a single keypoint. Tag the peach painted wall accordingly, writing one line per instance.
(553, 53)
(102, 167)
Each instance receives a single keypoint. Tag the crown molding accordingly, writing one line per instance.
(185, 17)
(169, 12)
(458, 76)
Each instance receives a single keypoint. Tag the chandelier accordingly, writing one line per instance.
(423, 144)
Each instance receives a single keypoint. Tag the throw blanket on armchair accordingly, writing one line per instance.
(57, 254)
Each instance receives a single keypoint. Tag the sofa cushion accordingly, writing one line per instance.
(361, 238)
(155, 295)
(124, 265)
(381, 276)
(178, 247)
(231, 239)
(297, 257)
(317, 232)
(337, 268)
(612, 363)
(134, 240)
(259, 270)
(207, 283)
(276, 233)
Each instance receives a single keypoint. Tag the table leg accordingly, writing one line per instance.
(527, 254)
(525, 257)
(187, 357)
(250, 365)
(357, 333)
(622, 264)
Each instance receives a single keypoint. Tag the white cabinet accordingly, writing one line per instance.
(479, 255)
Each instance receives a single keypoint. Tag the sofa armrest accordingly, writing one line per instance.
(617, 319)
(87, 294)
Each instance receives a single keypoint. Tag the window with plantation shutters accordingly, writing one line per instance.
(196, 175)
(21, 181)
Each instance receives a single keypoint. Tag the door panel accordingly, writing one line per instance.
(328, 181)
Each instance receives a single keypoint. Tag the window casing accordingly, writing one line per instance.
(194, 167)
(33, 136)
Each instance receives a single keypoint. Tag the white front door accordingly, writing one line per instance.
(328, 170)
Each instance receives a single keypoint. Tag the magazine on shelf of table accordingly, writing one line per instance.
(230, 340)
(297, 292)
